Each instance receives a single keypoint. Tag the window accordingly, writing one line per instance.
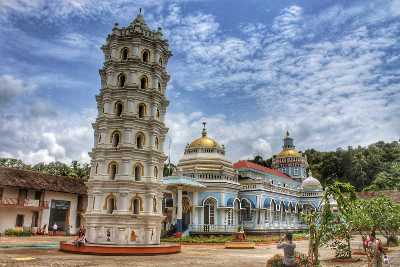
(143, 82)
(1, 193)
(97, 168)
(19, 221)
(156, 143)
(229, 217)
(136, 206)
(146, 56)
(160, 61)
(138, 172)
(124, 53)
(110, 204)
(118, 108)
(158, 114)
(35, 217)
(140, 140)
(247, 210)
(154, 204)
(159, 86)
(296, 171)
(121, 80)
(155, 171)
(113, 170)
(99, 140)
(142, 111)
(209, 211)
(115, 139)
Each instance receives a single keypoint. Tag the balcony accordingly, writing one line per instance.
(213, 228)
(24, 203)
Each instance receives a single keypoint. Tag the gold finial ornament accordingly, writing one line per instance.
(204, 141)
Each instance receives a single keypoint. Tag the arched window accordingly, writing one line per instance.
(159, 86)
(247, 210)
(140, 141)
(160, 61)
(209, 211)
(142, 111)
(121, 80)
(113, 170)
(97, 168)
(124, 53)
(110, 204)
(143, 82)
(118, 108)
(146, 56)
(136, 205)
(99, 139)
(158, 114)
(115, 139)
(156, 143)
(155, 172)
(139, 171)
(154, 204)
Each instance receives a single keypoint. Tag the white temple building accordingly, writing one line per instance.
(210, 195)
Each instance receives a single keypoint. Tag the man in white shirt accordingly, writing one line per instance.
(55, 227)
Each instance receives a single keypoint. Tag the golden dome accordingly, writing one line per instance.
(289, 152)
(204, 142)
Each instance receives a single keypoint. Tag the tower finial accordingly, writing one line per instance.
(204, 132)
(140, 10)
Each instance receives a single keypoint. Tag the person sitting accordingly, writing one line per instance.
(288, 250)
(81, 239)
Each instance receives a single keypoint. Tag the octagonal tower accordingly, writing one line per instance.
(124, 188)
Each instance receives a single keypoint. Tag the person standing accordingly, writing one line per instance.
(288, 250)
(375, 249)
(55, 227)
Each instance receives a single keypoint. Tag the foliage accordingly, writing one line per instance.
(327, 228)
(76, 169)
(359, 166)
(386, 180)
(17, 232)
(169, 168)
(275, 261)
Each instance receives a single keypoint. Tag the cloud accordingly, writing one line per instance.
(11, 87)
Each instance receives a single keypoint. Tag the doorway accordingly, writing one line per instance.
(59, 214)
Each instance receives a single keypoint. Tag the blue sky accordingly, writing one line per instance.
(329, 71)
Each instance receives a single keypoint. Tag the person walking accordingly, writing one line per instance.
(288, 250)
(375, 250)
(55, 227)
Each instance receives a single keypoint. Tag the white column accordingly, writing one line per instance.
(179, 215)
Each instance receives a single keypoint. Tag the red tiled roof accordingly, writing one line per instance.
(40, 181)
(244, 164)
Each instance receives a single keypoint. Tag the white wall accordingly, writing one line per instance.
(8, 218)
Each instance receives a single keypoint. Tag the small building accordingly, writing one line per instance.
(33, 200)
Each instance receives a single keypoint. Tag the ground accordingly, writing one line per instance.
(191, 255)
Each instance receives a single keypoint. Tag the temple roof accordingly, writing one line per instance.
(182, 181)
(244, 164)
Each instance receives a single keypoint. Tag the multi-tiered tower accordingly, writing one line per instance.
(124, 188)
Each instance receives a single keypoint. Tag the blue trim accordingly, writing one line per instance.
(179, 225)
(267, 203)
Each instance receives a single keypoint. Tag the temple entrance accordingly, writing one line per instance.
(186, 210)
(59, 214)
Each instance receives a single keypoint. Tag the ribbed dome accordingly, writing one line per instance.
(311, 184)
(289, 152)
(204, 142)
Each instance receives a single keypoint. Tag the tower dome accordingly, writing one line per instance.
(204, 141)
(311, 184)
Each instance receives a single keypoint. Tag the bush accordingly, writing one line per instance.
(17, 232)
(275, 261)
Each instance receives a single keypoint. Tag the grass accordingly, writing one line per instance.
(218, 239)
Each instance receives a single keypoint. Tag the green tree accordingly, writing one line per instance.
(13, 163)
(388, 179)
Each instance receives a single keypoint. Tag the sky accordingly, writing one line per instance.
(327, 71)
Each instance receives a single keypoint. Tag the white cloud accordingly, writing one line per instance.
(11, 87)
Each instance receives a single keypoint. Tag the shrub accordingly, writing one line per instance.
(17, 232)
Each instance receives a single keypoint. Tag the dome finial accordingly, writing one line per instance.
(204, 132)
(287, 133)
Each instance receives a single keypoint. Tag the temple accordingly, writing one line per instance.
(207, 194)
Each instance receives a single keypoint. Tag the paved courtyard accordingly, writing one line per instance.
(191, 255)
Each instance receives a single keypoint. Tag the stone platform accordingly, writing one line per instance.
(240, 245)
(113, 250)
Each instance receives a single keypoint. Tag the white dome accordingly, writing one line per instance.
(311, 184)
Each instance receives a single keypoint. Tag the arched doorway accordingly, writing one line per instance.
(186, 211)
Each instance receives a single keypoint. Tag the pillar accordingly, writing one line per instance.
(179, 213)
